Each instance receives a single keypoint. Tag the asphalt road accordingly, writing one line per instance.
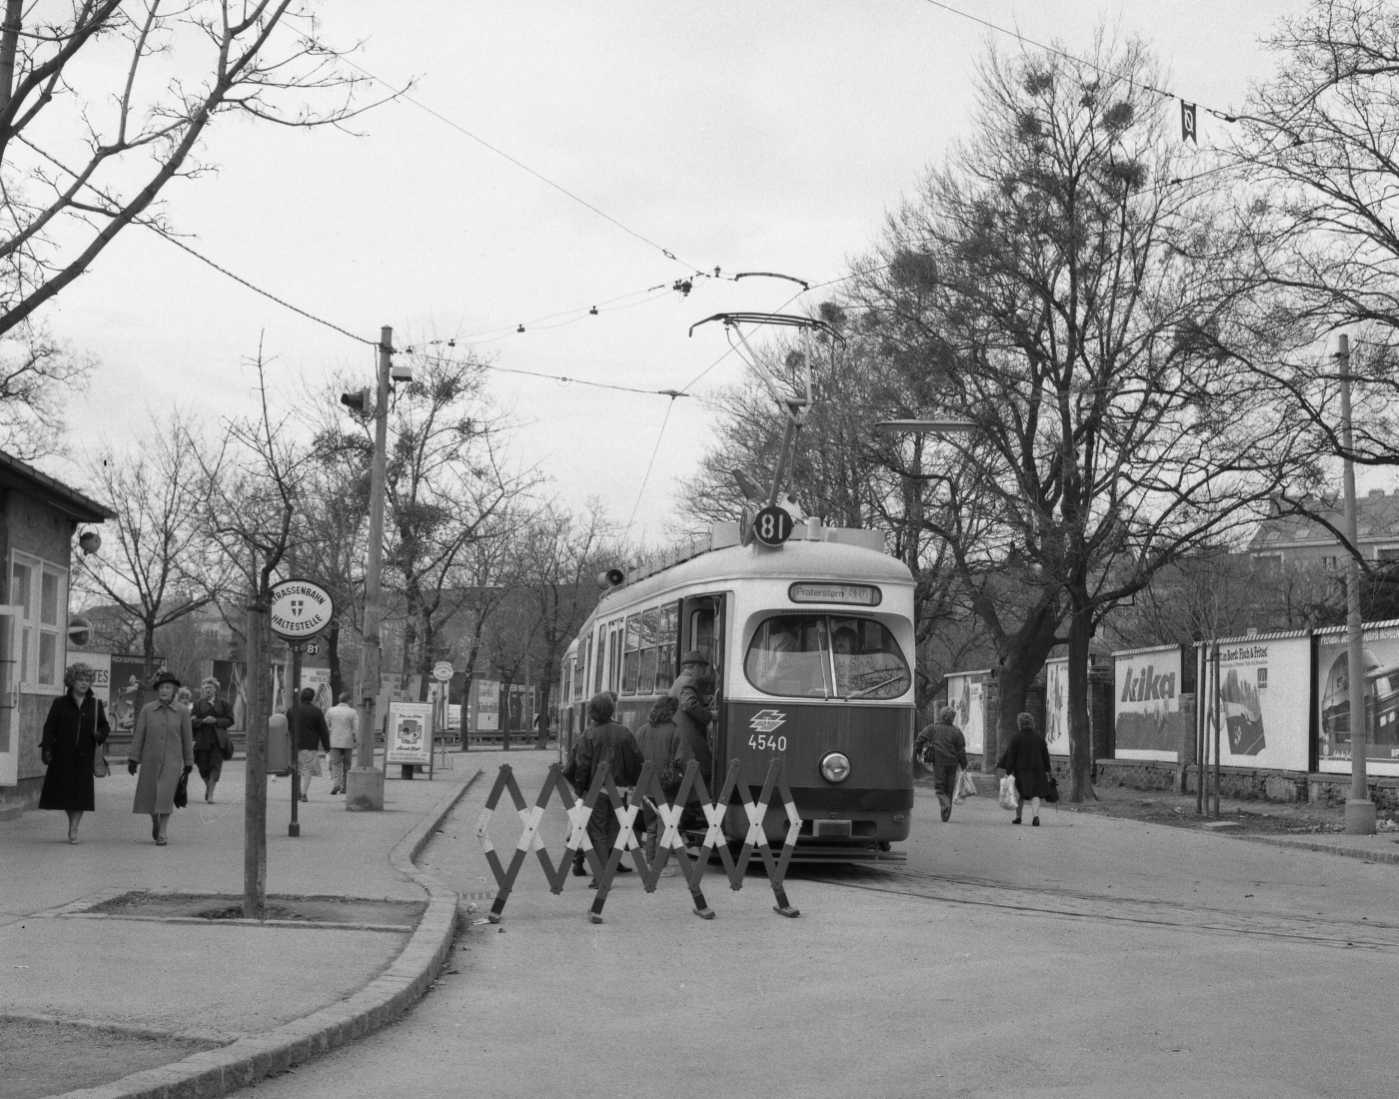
(1087, 957)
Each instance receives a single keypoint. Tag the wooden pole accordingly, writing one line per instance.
(255, 796)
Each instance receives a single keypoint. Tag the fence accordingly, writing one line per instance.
(692, 793)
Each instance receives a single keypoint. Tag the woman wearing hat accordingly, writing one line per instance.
(162, 746)
(211, 718)
(76, 725)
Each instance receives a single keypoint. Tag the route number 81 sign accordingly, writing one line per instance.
(772, 526)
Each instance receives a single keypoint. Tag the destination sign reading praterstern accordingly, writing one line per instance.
(859, 595)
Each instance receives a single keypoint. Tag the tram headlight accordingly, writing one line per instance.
(835, 767)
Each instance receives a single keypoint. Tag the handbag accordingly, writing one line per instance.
(1053, 794)
(225, 743)
(182, 792)
(100, 769)
(1008, 798)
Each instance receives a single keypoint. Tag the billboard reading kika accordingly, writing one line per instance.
(1148, 686)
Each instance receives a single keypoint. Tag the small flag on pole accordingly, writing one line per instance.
(1187, 122)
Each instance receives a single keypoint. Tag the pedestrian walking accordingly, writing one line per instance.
(74, 732)
(211, 718)
(949, 750)
(309, 733)
(162, 749)
(693, 718)
(343, 722)
(659, 743)
(1027, 758)
(605, 741)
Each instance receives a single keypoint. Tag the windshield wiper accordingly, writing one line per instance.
(877, 686)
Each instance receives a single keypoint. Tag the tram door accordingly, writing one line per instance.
(702, 628)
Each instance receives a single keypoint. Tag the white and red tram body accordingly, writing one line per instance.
(812, 647)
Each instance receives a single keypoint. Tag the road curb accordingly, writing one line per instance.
(1326, 848)
(244, 1062)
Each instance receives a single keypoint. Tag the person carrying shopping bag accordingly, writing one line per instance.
(949, 749)
(1026, 759)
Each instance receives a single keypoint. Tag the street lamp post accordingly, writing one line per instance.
(1360, 810)
(364, 784)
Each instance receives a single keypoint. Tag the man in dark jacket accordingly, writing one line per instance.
(693, 716)
(311, 736)
(949, 753)
(605, 741)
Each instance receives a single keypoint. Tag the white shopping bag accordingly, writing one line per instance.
(1008, 799)
(957, 786)
(965, 786)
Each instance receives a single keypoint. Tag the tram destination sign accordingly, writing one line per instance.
(859, 595)
(300, 609)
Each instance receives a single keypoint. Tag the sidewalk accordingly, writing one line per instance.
(207, 987)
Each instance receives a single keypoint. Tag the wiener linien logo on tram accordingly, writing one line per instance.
(765, 721)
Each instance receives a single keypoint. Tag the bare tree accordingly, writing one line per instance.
(159, 568)
(104, 103)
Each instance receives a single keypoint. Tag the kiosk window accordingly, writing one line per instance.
(826, 656)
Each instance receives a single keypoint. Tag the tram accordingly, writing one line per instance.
(811, 643)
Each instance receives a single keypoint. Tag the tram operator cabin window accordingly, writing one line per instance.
(826, 656)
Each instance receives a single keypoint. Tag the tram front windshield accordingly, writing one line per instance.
(826, 656)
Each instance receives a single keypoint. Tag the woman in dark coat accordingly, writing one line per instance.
(75, 727)
(1027, 758)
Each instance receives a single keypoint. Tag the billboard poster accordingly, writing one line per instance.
(1381, 658)
(1056, 705)
(1149, 723)
(410, 733)
(128, 690)
(487, 705)
(1264, 698)
(966, 693)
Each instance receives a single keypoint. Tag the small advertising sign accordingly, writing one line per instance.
(1056, 706)
(1263, 693)
(966, 693)
(410, 733)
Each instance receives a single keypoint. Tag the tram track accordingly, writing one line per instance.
(1081, 905)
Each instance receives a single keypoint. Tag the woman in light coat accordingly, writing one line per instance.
(162, 746)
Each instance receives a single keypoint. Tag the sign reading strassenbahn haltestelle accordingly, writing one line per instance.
(300, 609)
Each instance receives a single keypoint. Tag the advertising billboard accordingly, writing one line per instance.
(1264, 700)
(1381, 659)
(1149, 723)
(1056, 705)
(410, 733)
(966, 693)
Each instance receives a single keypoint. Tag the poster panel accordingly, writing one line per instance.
(1056, 705)
(128, 692)
(410, 733)
(1149, 723)
(1381, 658)
(487, 692)
(1264, 700)
(966, 693)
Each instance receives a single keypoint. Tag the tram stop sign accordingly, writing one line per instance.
(442, 671)
(772, 526)
(300, 609)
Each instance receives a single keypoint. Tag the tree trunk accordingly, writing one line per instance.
(1024, 656)
(332, 652)
(1080, 734)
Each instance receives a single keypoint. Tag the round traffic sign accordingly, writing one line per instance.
(442, 671)
(300, 609)
(772, 526)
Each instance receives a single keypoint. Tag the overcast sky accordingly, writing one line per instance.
(747, 135)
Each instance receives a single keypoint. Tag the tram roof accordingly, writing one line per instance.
(797, 560)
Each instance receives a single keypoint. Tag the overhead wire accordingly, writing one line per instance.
(654, 451)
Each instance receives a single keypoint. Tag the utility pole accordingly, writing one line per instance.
(364, 785)
(1360, 810)
(255, 792)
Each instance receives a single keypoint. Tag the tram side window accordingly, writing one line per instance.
(650, 640)
(631, 662)
(599, 659)
(665, 650)
(580, 671)
(614, 655)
